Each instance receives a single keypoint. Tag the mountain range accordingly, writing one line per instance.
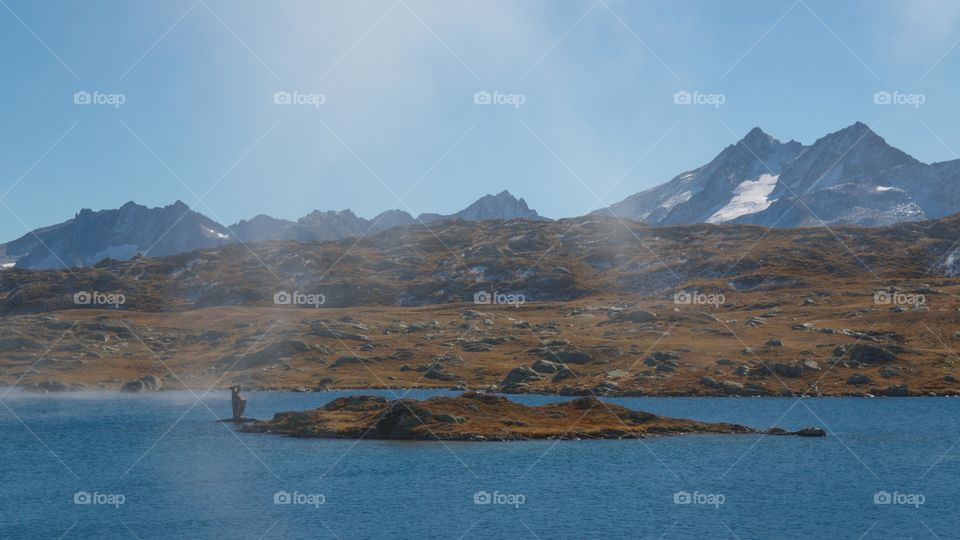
(851, 176)
(330, 225)
(90, 237)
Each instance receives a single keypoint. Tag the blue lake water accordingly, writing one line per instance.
(159, 466)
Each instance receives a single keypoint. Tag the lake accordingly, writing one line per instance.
(160, 466)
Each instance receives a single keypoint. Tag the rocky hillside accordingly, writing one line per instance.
(538, 260)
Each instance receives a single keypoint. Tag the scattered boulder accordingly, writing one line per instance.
(565, 373)
(661, 357)
(545, 366)
(888, 372)
(810, 365)
(896, 390)
(520, 374)
(438, 373)
(445, 358)
(858, 379)
(47, 387)
(638, 316)
(475, 346)
(730, 387)
(147, 383)
(348, 360)
(788, 369)
(727, 387)
(866, 353)
(774, 343)
(568, 356)
(606, 388)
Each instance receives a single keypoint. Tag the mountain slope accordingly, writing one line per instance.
(120, 234)
(541, 260)
(503, 205)
(317, 226)
(851, 176)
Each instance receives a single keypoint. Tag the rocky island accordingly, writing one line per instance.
(483, 417)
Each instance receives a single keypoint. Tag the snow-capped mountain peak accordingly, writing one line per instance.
(850, 176)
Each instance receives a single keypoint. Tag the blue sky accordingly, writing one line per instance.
(398, 80)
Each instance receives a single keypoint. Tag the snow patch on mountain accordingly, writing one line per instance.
(750, 197)
(679, 198)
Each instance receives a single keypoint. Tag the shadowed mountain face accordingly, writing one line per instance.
(317, 226)
(119, 234)
(503, 205)
(851, 176)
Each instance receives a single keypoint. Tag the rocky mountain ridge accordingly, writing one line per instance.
(131, 230)
(851, 176)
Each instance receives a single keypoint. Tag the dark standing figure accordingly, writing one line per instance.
(239, 404)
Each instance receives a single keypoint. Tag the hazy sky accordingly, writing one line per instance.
(187, 93)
